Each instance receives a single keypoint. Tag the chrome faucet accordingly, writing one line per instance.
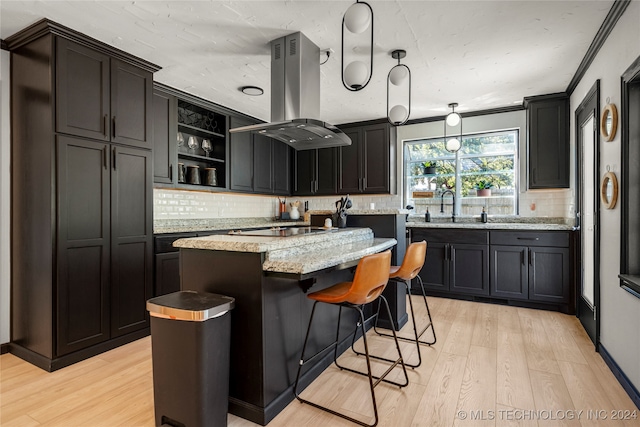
(453, 205)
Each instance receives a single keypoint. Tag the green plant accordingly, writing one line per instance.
(483, 185)
(429, 164)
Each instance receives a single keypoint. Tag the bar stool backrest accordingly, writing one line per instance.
(413, 261)
(370, 278)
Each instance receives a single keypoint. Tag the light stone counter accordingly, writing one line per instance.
(389, 211)
(494, 223)
(164, 226)
(298, 254)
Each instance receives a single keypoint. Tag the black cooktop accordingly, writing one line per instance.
(281, 231)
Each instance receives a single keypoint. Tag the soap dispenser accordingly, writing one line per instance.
(427, 216)
(483, 215)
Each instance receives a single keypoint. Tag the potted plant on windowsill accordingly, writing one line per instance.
(483, 188)
(429, 167)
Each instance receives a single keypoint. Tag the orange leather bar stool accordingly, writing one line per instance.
(411, 265)
(369, 281)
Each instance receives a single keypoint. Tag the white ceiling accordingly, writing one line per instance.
(481, 54)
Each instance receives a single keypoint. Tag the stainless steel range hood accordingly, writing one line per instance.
(295, 97)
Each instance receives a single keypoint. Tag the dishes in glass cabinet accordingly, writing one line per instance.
(207, 147)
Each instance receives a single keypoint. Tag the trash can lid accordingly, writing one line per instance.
(190, 305)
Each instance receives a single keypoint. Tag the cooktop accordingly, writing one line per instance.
(281, 231)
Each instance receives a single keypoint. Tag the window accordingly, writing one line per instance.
(487, 160)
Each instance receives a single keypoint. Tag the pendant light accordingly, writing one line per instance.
(453, 119)
(400, 75)
(358, 18)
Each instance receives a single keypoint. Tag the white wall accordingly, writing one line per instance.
(619, 310)
(5, 278)
(549, 203)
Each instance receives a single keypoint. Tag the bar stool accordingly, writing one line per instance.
(411, 265)
(369, 281)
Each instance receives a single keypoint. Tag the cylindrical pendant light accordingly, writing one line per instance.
(453, 119)
(399, 76)
(358, 18)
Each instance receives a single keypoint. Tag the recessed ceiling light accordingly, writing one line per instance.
(252, 90)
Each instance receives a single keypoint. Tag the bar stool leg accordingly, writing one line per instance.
(417, 334)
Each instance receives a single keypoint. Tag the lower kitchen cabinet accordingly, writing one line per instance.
(457, 261)
(531, 268)
(167, 273)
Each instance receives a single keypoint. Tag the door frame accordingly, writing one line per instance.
(593, 96)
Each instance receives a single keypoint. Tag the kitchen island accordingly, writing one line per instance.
(269, 276)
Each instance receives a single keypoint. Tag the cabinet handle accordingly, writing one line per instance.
(528, 238)
(114, 126)
(311, 186)
(104, 125)
(364, 183)
(171, 171)
(452, 254)
(316, 181)
(114, 158)
(104, 156)
(530, 258)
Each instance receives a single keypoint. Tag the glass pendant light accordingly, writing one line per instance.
(453, 119)
(358, 18)
(399, 76)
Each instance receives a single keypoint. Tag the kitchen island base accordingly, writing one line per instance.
(268, 325)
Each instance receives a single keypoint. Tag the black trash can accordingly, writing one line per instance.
(190, 340)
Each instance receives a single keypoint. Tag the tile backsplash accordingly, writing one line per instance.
(178, 204)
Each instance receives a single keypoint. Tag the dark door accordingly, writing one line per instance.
(131, 239)
(281, 168)
(82, 310)
(469, 269)
(375, 159)
(131, 104)
(549, 274)
(167, 273)
(82, 91)
(164, 137)
(305, 172)
(350, 165)
(326, 175)
(509, 273)
(241, 157)
(587, 212)
(262, 164)
(435, 272)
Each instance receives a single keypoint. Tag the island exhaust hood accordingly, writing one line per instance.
(295, 97)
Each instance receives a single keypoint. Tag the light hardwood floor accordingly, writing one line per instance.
(491, 366)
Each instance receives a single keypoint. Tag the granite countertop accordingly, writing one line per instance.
(298, 254)
(494, 223)
(190, 225)
(384, 211)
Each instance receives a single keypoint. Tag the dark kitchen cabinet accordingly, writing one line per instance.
(131, 239)
(315, 172)
(530, 268)
(102, 97)
(164, 137)
(167, 273)
(548, 141)
(81, 196)
(83, 244)
(241, 157)
(258, 164)
(368, 164)
(456, 261)
(535, 266)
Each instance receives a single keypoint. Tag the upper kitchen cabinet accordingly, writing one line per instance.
(368, 164)
(315, 172)
(81, 195)
(258, 164)
(164, 137)
(548, 141)
(101, 97)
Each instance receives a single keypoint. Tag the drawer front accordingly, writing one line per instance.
(477, 237)
(530, 238)
(164, 243)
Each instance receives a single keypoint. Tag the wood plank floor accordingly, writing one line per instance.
(492, 365)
